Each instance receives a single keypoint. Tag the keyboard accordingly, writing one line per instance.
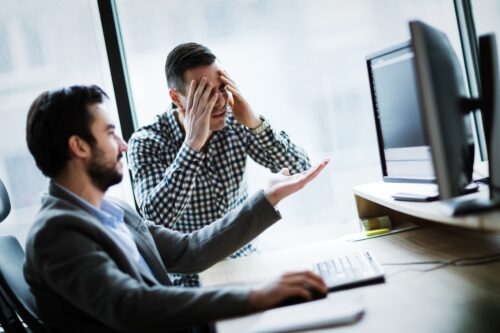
(350, 271)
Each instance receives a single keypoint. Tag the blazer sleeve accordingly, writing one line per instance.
(70, 262)
(197, 251)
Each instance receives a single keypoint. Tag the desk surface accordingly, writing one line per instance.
(450, 299)
(371, 199)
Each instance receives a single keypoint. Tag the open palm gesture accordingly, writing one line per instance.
(282, 184)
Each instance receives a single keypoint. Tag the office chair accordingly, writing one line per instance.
(15, 296)
(4, 202)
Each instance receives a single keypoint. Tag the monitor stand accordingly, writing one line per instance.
(428, 197)
(484, 180)
(457, 207)
(490, 112)
(415, 197)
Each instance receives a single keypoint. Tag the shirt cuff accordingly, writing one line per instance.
(190, 158)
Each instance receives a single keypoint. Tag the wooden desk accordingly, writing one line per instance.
(450, 299)
(375, 200)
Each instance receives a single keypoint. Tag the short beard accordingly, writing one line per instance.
(102, 175)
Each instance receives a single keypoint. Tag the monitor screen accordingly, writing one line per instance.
(404, 151)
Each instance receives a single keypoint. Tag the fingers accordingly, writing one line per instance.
(230, 84)
(226, 78)
(198, 93)
(296, 291)
(211, 104)
(300, 284)
(227, 81)
(192, 88)
(285, 172)
(205, 97)
(305, 279)
(233, 90)
(313, 172)
(230, 99)
(202, 99)
(290, 284)
(301, 273)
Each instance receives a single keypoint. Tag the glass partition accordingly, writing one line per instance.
(43, 45)
(301, 64)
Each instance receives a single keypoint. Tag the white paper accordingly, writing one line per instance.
(337, 309)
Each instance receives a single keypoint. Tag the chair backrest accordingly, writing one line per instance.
(14, 285)
(15, 295)
(4, 202)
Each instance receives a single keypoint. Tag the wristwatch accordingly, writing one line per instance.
(262, 127)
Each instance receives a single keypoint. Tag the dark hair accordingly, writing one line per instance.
(183, 57)
(53, 118)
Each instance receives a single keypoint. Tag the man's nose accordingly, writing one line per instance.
(122, 145)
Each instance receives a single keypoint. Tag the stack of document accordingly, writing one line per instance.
(335, 310)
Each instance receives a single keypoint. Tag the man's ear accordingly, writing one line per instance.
(79, 148)
(174, 95)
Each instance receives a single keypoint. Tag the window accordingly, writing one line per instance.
(486, 13)
(300, 63)
(43, 45)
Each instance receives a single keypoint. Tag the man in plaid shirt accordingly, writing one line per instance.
(188, 173)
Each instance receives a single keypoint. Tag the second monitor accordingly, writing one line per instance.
(445, 108)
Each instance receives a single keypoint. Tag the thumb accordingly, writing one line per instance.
(285, 172)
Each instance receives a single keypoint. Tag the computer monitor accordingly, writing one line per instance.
(489, 104)
(405, 154)
(445, 108)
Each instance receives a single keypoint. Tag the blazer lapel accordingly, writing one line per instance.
(156, 267)
(151, 258)
(146, 247)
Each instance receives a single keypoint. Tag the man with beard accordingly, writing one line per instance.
(185, 184)
(94, 265)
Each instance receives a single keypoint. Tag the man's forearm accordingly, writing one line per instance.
(276, 151)
(113, 297)
(201, 249)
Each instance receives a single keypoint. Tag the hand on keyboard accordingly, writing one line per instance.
(292, 300)
(289, 288)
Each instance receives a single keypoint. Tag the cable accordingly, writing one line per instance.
(475, 260)
(460, 262)
(414, 263)
(417, 270)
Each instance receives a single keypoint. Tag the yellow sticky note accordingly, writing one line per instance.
(377, 232)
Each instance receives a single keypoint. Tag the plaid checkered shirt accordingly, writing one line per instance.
(186, 190)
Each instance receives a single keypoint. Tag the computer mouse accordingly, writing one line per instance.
(292, 300)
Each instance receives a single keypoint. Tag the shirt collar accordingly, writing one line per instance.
(173, 126)
(107, 213)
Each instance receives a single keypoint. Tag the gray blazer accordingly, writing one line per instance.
(84, 282)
